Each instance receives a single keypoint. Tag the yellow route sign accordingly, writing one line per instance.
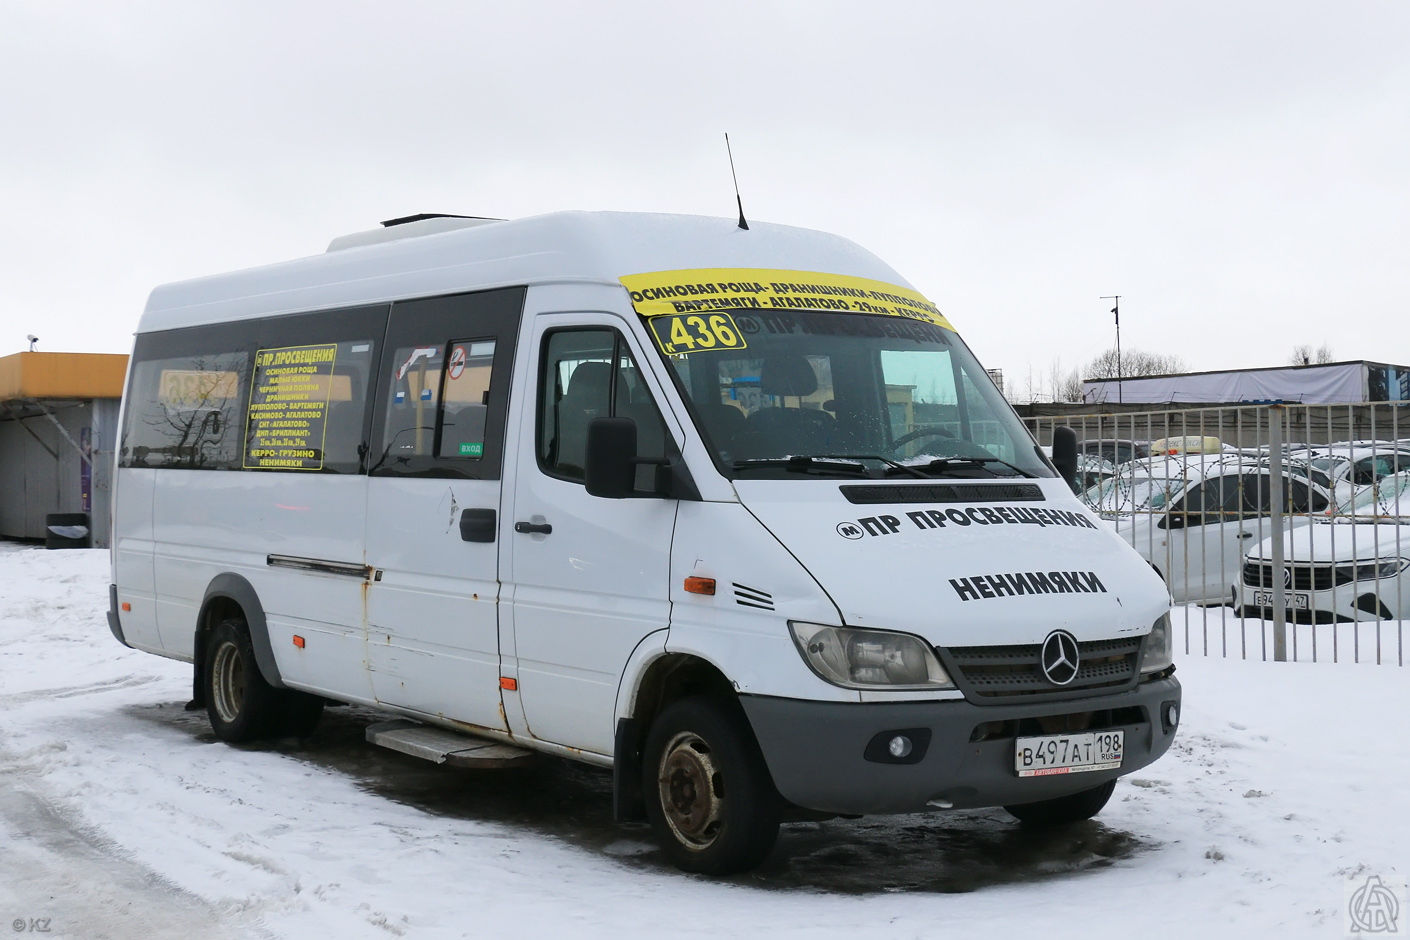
(705, 290)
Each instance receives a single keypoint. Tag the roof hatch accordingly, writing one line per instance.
(410, 226)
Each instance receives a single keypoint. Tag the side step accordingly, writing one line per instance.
(446, 747)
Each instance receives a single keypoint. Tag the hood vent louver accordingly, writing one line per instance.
(942, 493)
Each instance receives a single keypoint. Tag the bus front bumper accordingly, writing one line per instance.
(830, 756)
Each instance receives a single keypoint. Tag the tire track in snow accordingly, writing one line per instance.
(55, 868)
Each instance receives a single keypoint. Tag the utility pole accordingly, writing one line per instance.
(1116, 311)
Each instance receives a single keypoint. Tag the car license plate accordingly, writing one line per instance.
(1295, 601)
(1069, 753)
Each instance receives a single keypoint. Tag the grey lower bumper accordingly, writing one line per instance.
(814, 750)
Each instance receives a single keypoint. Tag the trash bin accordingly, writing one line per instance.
(67, 530)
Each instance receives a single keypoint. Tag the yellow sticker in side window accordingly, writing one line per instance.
(756, 290)
(695, 332)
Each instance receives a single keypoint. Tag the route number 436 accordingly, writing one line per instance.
(696, 332)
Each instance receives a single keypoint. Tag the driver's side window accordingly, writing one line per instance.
(1206, 503)
(586, 374)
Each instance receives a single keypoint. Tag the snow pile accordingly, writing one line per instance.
(121, 816)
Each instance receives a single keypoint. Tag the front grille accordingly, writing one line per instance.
(1005, 672)
(1320, 577)
(1304, 577)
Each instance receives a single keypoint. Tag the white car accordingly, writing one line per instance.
(1198, 517)
(1350, 468)
(1332, 573)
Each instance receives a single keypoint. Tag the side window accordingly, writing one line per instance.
(311, 390)
(1303, 498)
(1208, 503)
(307, 407)
(469, 366)
(1363, 472)
(444, 386)
(280, 393)
(439, 399)
(186, 412)
(587, 374)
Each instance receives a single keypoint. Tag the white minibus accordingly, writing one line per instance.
(733, 512)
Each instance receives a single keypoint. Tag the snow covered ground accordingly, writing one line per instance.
(122, 817)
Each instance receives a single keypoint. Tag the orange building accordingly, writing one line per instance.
(58, 433)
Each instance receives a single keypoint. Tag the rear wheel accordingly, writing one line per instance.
(241, 705)
(708, 793)
(1064, 809)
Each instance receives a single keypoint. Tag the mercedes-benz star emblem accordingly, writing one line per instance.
(1060, 657)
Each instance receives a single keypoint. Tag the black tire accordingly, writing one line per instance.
(1064, 809)
(241, 705)
(731, 825)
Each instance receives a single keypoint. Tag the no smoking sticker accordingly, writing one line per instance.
(457, 361)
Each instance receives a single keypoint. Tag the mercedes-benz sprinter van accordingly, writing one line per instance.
(735, 513)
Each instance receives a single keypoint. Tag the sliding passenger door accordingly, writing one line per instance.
(434, 505)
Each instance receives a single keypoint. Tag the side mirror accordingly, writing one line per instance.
(1065, 454)
(609, 466)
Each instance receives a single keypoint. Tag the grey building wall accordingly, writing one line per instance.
(40, 472)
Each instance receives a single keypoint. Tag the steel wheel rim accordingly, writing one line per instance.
(228, 685)
(691, 791)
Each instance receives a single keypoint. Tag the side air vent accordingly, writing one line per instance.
(752, 597)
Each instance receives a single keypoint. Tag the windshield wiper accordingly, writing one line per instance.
(891, 464)
(941, 464)
(803, 464)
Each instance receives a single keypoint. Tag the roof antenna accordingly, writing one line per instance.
(739, 202)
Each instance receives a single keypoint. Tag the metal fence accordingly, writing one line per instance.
(1278, 528)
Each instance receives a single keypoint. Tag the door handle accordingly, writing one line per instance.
(1245, 535)
(533, 528)
(477, 525)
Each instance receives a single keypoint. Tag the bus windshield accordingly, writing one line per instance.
(844, 394)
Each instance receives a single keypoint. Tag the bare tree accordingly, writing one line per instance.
(1133, 362)
(1304, 355)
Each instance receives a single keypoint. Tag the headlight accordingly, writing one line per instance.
(1160, 647)
(869, 659)
(1375, 570)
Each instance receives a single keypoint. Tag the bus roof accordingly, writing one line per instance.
(561, 247)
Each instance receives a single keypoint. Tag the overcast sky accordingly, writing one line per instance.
(1237, 171)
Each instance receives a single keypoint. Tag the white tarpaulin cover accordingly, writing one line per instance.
(1329, 384)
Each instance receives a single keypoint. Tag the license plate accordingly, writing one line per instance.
(1069, 753)
(1294, 600)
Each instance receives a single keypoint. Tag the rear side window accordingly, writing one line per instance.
(185, 412)
(287, 393)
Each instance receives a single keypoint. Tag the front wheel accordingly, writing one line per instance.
(709, 795)
(1064, 809)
